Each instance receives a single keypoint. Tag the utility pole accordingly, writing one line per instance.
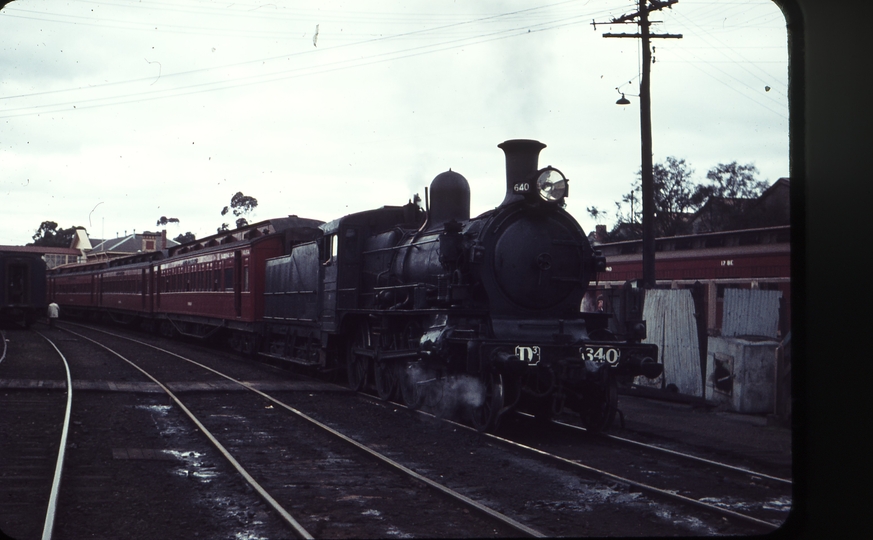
(648, 187)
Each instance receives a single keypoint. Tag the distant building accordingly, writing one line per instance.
(771, 209)
(99, 250)
(53, 256)
(718, 214)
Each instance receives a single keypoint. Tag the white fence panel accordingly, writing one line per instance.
(670, 321)
(750, 312)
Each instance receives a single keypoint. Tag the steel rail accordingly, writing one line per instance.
(482, 509)
(620, 479)
(298, 529)
(576, 464)
(680, 454)
(51, 510)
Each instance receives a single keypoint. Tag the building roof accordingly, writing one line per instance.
(42, 250)
(122, 246)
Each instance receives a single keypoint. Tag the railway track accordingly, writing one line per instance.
(750, 502)
(742, 495)
(510, 477)
(324, 478)
(683, 455)
(33, 431)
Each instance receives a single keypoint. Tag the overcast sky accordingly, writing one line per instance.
(115, 113)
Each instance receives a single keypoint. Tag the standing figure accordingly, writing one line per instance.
(53, 311)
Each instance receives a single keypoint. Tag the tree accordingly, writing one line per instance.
(241, 206)
(163, 220)
(184, 238)
(734, 181)
(49, 235)
(729, 196)
(674, 196)
(675, 199)
(595, 213)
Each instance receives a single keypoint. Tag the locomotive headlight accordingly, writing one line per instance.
(551, 185)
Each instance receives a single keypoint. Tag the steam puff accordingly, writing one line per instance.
(447, 393)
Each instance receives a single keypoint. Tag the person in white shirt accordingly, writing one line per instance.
(54, 311)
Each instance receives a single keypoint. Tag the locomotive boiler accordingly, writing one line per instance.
(430, 303)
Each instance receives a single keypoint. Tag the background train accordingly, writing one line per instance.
(22, 287)
(418, 301)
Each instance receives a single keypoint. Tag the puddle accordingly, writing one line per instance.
(160, 409)
(394, 532)
(163, 423)
(689, 523)
(194, 466)
(782, 504)
(603, 494)
(184, 456)
(249, 520)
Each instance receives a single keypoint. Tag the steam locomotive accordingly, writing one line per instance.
(420, 302)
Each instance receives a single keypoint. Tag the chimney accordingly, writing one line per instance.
(600, 233)
(164, 239)
(522, 156)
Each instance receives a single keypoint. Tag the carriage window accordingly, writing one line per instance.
(330, 248)
(228, 278)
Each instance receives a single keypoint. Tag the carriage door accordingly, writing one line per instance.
(19, 286)
(329, 254)
(156, 275)
(237, 283)
(144, 284)
(349, 271)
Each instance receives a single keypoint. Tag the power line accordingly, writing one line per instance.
(292, 73)
(310, 52)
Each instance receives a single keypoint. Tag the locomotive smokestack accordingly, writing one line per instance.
(522, 156)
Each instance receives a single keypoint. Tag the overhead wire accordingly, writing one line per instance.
(722, 48)
(299, 71)
(440, 29)
(348, 63)
(694, 28)
(286, 74)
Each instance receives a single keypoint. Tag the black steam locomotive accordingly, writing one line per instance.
(429, 304)
(436, 306)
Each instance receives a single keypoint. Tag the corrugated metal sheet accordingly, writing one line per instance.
(750, 312)
(669, 316)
